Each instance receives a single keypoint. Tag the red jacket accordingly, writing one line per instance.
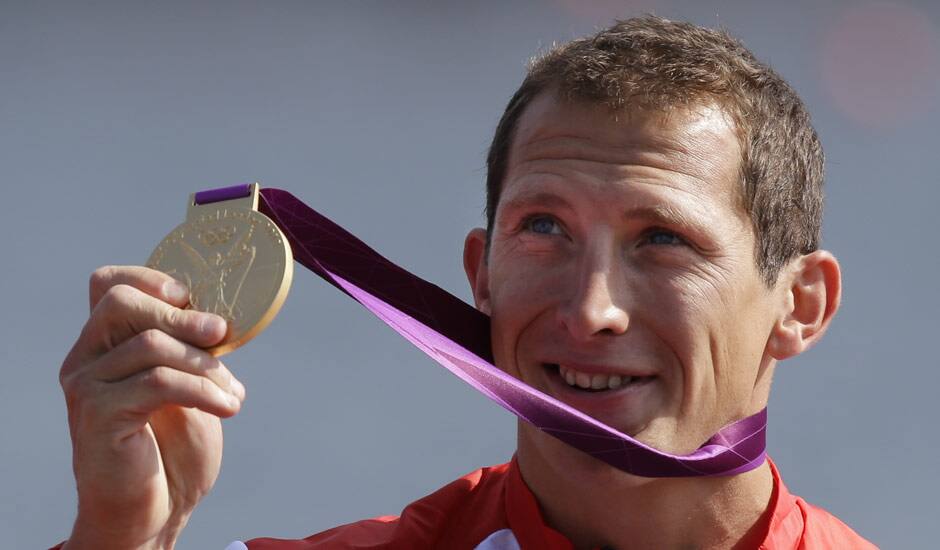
(493, 509)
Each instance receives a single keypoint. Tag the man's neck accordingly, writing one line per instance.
(595, 505)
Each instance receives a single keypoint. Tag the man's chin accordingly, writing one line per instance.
(540, 451)
(661, 432)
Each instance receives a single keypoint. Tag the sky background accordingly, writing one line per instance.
(378, 114)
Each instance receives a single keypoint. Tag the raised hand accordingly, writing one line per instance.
(144, 402)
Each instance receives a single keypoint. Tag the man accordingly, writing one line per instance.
(651, 252)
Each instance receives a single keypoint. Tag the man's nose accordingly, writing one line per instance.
(597, 303)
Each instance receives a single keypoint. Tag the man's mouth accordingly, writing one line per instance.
(594, 382)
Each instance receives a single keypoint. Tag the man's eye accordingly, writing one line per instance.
(663, 237)
(544, 225)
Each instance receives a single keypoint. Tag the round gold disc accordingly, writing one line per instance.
(237, 264)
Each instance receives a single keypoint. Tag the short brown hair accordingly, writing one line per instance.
(653, 63)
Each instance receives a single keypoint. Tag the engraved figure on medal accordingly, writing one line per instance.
(236, 262)
(220, 275)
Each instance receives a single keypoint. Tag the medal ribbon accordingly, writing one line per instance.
(457, 336)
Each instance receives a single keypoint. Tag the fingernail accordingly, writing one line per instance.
(211, 324)
(176, 291)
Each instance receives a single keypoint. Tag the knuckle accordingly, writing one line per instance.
(67, 382)
(73, 390)
(156, 379)
(100, 277)
(68, 366)
(118, 296)
(151, 341)
(173, 316)
(71, 372)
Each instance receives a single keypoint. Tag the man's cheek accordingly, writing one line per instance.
(514, 305)
(506, 337)
(695, 300)
(518, 301)
(528, 283)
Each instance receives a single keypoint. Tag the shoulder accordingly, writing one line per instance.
(824, 530)
(459, 514)
(796, 523)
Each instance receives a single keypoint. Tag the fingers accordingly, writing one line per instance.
(150, 281)
(125, 311)
(124, 387)
(154, 347)
(103, 415)
(135, 336)
(154, 388)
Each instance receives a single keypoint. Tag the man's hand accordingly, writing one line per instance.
(144, 401)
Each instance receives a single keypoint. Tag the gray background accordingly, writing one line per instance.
(379, 115)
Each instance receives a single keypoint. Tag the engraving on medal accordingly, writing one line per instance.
(236, 262)
(219, 278)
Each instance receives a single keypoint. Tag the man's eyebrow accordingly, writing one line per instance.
(535, 198)
(664, 214)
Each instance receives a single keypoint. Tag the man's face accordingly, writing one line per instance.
(621, 276)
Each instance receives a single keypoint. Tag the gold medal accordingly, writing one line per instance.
(236, 262)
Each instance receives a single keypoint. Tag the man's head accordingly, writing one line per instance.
(654, 64)
(651, 250)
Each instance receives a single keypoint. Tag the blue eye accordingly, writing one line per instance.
(663, 237)
(544, 225)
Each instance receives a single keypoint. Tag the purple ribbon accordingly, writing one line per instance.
(458, 337)
(222, 193)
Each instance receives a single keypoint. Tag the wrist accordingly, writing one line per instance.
(112, 527)
(86, 536)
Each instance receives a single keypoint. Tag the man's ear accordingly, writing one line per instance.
(813, 290)
(474, 263)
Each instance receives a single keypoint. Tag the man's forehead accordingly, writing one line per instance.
(699, 139)
(697, 146)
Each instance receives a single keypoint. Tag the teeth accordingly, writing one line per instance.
(593, 381)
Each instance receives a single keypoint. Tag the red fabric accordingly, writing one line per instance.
(463, 513)
(797, 524)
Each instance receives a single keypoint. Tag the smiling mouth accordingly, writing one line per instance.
(594, 383)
